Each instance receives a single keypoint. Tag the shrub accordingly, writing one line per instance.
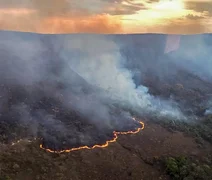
(180, 168)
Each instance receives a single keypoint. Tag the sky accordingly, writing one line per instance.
(107, 16)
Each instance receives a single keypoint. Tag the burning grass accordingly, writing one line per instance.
(106, 144)
(61, 129)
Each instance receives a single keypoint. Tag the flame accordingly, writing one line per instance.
(115, 137)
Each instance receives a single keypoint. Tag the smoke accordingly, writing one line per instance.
(194, 55)
(100, 62)
(208, 111)
(20, 60)
(184, 73)
(58, 86)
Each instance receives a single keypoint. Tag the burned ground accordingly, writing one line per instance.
(34, 107)
(29, 112)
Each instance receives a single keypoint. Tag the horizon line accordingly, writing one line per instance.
(84, 33)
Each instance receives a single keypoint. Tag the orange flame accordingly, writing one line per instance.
(115, 133)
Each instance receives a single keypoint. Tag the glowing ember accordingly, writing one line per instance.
(115, 133)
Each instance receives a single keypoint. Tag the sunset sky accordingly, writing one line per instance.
(107, 16)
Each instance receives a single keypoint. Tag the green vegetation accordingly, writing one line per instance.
(201, 130)
(180, 168)
(5, 178)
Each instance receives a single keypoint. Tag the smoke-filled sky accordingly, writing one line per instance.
(107, 16)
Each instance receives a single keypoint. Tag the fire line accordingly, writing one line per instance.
(115, 133)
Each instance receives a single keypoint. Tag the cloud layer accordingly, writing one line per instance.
(109, 16)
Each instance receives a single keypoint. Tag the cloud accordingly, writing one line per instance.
(90, 24)
(20, 11)
(14, 4)
(17, 19)
(49, 8)
(100, 16)
(183, 28)
(66, 7)
(199, 6)
(194, 17)
(176, 26)
(81, 24)
(57, 16)
(125, 8)
(152, 1)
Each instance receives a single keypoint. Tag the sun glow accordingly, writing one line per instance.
(167, 9)
(156, 13)
(174, 5)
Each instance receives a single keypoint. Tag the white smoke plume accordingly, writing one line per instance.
(100, 62)
(84, 76)
(28, 60)
(208, 111)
